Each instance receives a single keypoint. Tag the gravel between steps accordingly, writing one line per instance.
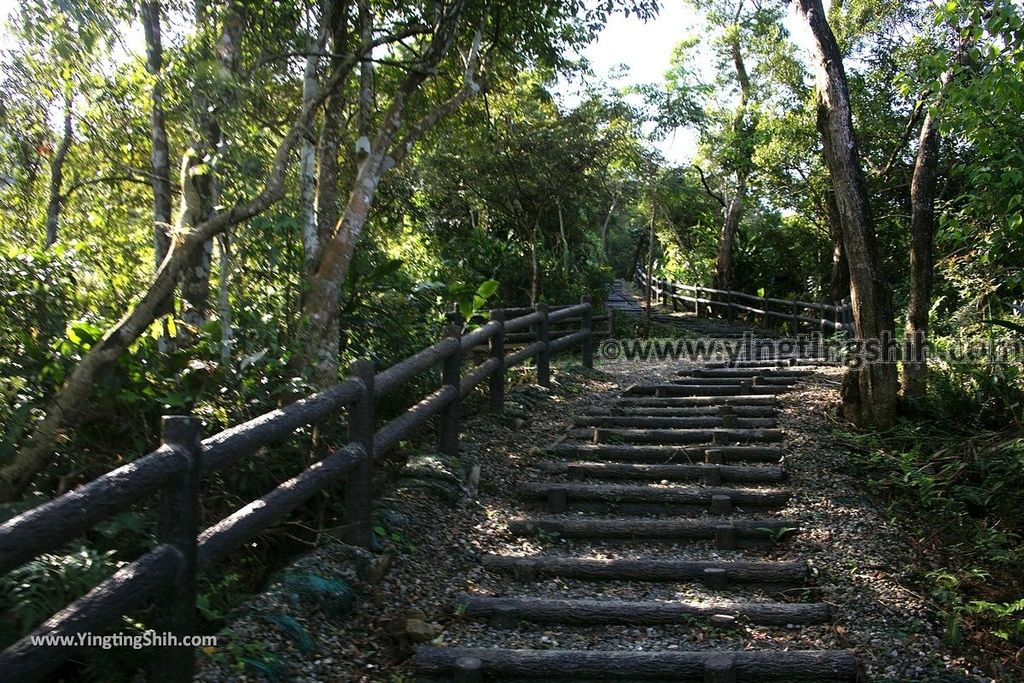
(859, 561)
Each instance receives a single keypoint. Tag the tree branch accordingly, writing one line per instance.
(707, 188)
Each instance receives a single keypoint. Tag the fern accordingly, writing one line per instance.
(38, 589)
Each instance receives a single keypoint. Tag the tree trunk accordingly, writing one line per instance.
(565, 240)
(207, 144)
(734, 211)
(160, 156)
(57, 177)
(869, 391)
(649, 284)
(223, 301)
(723, 259)
(307, 178)
(605, 226)
(322, 303)
(365, 86)
(922, 236)
(534, 269)
(839, 282)
(160, 159)
(325, 371)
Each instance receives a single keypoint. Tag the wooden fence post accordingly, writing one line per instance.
(497, 380)
(587, 325)
(729, 312)
(764, 311)
(448, 434)
(358, 490)
(696, 301)
(544, 356)
(178, 526)
(794, 323)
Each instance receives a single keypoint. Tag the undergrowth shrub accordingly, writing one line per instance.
(955, 472)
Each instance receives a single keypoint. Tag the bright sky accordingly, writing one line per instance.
(646, 49)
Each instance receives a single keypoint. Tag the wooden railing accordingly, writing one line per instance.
(729, 304)
(167, 574)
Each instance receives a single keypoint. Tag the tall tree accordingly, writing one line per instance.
(160, 156)
(869, 391)
(922, 239)
(738, 128)
(200, 166)
(65, 409)
(57, 175)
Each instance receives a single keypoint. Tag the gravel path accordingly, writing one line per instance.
(435, 540)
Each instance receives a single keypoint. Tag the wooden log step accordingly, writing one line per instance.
(666, 454)
(755, 530)
(683, 411)
(701, 496)
(697, 380)
(640, 612)
(656, 421)
(773, 573)
(763, 364)
(671, 389)
(744, 372)
(676, 436)
(749, 666)
(685, 401)
(762, 474)
(757, 381)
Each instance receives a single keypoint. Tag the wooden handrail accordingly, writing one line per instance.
(830, 318)
(165, 471)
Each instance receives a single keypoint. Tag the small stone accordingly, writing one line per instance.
(419, 631)
(723, 619)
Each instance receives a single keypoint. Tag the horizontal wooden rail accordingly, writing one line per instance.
(829, 317)
(172, 471)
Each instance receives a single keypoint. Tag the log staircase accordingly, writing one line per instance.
(694, 460)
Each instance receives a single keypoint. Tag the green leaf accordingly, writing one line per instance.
(1016, 327)
(487, 289)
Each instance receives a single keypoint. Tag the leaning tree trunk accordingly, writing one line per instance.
(57, 177)
(839, 281)
(922, 237)
(870, 390)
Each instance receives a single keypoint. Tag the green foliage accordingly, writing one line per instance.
(37, 589)
(960, 489)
